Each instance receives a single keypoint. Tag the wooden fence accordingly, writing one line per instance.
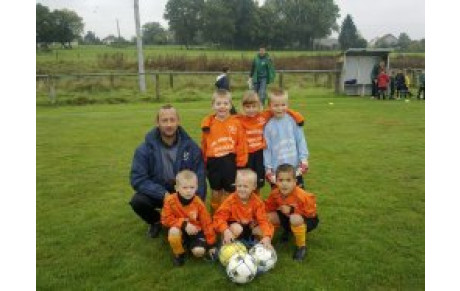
(50, 80)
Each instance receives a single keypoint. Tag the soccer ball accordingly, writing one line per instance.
(241, 268)
(228, 250)
(265, 257)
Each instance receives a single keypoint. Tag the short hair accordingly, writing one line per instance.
(219, 93)
(278, 92)
(166, 107)
(250, 97)
(285, 168)
(225, 69)
(247, 173)
(186, 175)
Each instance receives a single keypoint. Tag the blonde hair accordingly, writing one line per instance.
(221, 93)
(278, 92)
(247, 173)
(186, 175)
(250, 97)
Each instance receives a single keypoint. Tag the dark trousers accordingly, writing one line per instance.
(311, 222)
(374, 88)
(420, 89)
(146, 207)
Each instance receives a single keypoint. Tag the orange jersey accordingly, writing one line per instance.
(254, 127)
(304, 203)
(220, 138)
(174, 214)
(233, 209)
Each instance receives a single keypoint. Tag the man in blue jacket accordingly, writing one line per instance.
(167, 149)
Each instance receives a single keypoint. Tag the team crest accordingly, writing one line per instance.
(232, 129)
(186, 156)
(193, 215)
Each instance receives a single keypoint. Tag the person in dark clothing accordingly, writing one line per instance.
(392, 85)
(401, 87)
(167, 150)
(262, 73)
(374, 73)
(421, 85)
(223, 82)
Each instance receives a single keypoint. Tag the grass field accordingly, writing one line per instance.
(367, 170)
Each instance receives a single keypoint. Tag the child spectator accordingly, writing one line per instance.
(382, 83)
(421, 85)
(242, 215)
(401, 88)
(292, 208)
(285, 140)
(223, 82)
(224, 147)
(188, 221)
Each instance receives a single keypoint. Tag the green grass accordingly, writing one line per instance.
(367, 170)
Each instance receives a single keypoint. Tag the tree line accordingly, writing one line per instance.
(229, 24)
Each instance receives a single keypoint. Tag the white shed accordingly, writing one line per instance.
(355, 78)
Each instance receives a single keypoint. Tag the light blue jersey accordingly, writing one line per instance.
(286, 143)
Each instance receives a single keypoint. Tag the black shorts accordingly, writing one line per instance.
(311, 222)
(256, 163)
(194, 241)
(221, 172)
(246, 233)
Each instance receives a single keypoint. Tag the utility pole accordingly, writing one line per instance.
(118, 29)
(140, 54)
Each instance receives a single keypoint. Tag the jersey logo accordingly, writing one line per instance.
(232, 129)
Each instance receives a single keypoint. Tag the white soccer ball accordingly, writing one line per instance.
(241, 268)
(265, 257)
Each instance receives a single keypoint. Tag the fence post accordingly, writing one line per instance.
(112, 81)
(281, 80)
(338, 67)
(157, 86)
(315, 78)
(52, 89)
(171, 81)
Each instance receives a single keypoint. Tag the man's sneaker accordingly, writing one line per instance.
(299, 253)
(154, 230)
(179, 260)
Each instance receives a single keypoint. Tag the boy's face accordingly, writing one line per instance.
(244, 187)
(187, 188)
(251, 109)
(286, 182)
(222, 107)
(279, 106)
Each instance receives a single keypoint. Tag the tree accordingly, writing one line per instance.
(184, 19)
(349, 36)
(305, 20)
(153, 33)
(44, 25)
(244, 14)
(91, 38)
(404, 41)
(218, 30)
(68, 26)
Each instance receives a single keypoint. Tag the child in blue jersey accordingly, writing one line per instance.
(285, 140)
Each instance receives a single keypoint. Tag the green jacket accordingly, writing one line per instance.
(262, 67)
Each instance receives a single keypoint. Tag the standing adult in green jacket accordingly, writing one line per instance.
(262, 73)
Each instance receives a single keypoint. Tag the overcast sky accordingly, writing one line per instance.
(372, 18)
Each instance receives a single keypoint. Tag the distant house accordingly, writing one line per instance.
(109, 39)
(326, 44)
(388, 40)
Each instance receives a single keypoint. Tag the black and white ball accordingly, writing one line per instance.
(265, 257)
(241, 268)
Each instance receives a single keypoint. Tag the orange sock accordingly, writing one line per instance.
(176, 244)
(300, 234)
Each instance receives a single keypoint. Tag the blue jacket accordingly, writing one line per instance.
(147, 168)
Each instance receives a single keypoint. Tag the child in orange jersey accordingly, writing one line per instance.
(224, 147)
(188, 221)
(253, 121)
(242, 214)
(293, 208)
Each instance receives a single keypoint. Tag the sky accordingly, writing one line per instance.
(372, 18)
